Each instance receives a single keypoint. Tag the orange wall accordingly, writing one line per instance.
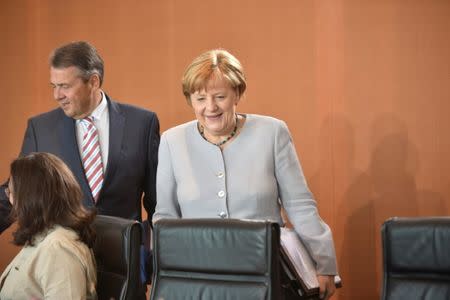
(363, 85)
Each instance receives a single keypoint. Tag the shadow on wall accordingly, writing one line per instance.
(338, 177)
(366, 198)
(387, 188)
(393, 168)
(393, 171)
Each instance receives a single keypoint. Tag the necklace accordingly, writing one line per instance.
(233, 133)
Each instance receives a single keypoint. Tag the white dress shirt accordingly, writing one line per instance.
(100, 115)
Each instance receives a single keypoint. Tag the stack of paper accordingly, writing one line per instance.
(300, 263)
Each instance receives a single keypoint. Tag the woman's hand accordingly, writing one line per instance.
(326, 286)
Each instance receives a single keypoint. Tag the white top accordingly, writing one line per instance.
(100, 115)
(58, 266)
(247, 180)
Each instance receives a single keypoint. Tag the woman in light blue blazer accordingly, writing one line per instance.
(226, 164)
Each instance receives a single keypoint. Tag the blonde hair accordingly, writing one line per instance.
(214, 63)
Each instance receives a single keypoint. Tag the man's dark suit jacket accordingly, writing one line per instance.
(132, 159)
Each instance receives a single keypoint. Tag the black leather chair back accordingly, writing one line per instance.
(416, 258)
(214, 259)
(117, 253)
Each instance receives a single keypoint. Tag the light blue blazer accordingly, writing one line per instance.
(246, 180)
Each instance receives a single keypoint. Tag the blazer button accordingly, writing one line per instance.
(221, 194)
(220, 175)
(223, 215)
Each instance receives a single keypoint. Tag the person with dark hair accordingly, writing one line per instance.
(55, 230)
(226, 164)
(111, 148)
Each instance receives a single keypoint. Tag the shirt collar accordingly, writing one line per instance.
(98, 111)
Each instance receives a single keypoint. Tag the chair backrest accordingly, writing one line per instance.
(117, 253)
(215, 259)
(416, 258)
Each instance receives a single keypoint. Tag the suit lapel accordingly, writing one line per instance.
(116, 129)
(71, 156)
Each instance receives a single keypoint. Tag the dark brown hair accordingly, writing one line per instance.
(45, 194)
(80, 54)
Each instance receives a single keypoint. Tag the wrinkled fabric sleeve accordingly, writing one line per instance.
(300, 205)
(61, 275)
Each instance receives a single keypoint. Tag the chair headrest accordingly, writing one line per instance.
(213, 245)
(417, 244)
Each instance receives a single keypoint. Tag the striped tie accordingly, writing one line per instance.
(92, 159)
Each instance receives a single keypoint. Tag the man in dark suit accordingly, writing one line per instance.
(125, 138)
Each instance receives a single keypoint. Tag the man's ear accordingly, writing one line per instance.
(94, 81)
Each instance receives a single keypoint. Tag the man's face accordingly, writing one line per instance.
(76, 97)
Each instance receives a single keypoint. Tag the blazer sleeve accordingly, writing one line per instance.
(62, 275)
(151, 166)
(166, 185)
(29, 141)
(300, 205)
(28, 146)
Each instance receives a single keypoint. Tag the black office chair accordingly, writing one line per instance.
(117, 253)
(214, 259)
(416, 258)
